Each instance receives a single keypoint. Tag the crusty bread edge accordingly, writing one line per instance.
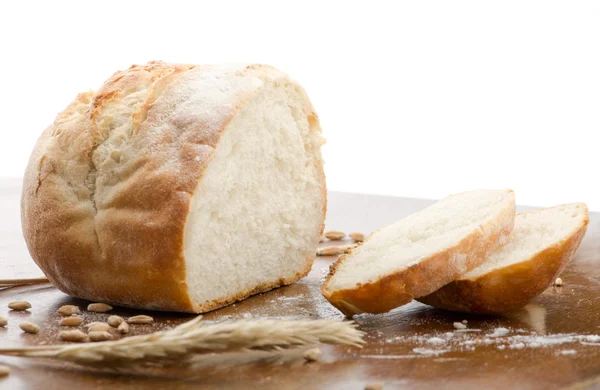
(508, 288)
(428, 275)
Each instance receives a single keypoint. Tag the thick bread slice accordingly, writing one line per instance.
(539, 248)
(178, 187)
(421, 253)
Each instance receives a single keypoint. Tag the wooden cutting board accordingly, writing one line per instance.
(552, 343)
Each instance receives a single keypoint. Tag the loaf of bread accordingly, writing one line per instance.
(421, 253)
(178, 187)
(540, 246)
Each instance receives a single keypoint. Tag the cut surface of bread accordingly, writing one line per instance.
(178, 187)
(420, 253)
(540, 246)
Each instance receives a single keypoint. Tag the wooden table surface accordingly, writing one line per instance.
(552, 343)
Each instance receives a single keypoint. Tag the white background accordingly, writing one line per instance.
(417, 99)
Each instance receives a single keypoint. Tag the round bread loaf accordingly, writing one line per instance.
(178, 187)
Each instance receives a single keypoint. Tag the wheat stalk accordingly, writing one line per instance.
(22, 282)
(190, 339)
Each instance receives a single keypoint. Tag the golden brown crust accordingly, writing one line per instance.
(428, 275)
(508, 288)
(108, 187)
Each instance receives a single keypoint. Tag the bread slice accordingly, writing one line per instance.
(421, 253)
(540, 246)
(178, 187)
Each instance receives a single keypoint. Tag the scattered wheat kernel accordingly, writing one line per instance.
(312, 354)
(99, 327)
(558, 282)
(100, 336)
(459, 325)
(71, 321)
(328, 251)
(68, 310)
(335, 235)
(374, 386)
(29, 327)
(335, 250)
(72, 335)
(19, 305)
(99, 307)
(3, 321)
(93, 323)
(123, 328)
(141, 319)
(115, 321)
(4, 370)
(465, 321)
(357, 236)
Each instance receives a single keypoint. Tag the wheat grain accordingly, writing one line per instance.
(29, 327)
(4, 370)
(71, 321)
(357, 236)
(141, 319)
(189, 339)
(98, 327)
(100, 336)
(99, 307)
(68, 310)
(115, 321)
(90, 324)
(335, 250)
(19, 305)
(335, 235)
(72, 335)
(3, 321)
(123, 328)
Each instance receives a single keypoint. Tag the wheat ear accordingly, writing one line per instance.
(190, 339)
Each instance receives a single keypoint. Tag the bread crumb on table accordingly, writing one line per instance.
(374, 386)
(459, 325)
(4, 370)
(558, 282)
